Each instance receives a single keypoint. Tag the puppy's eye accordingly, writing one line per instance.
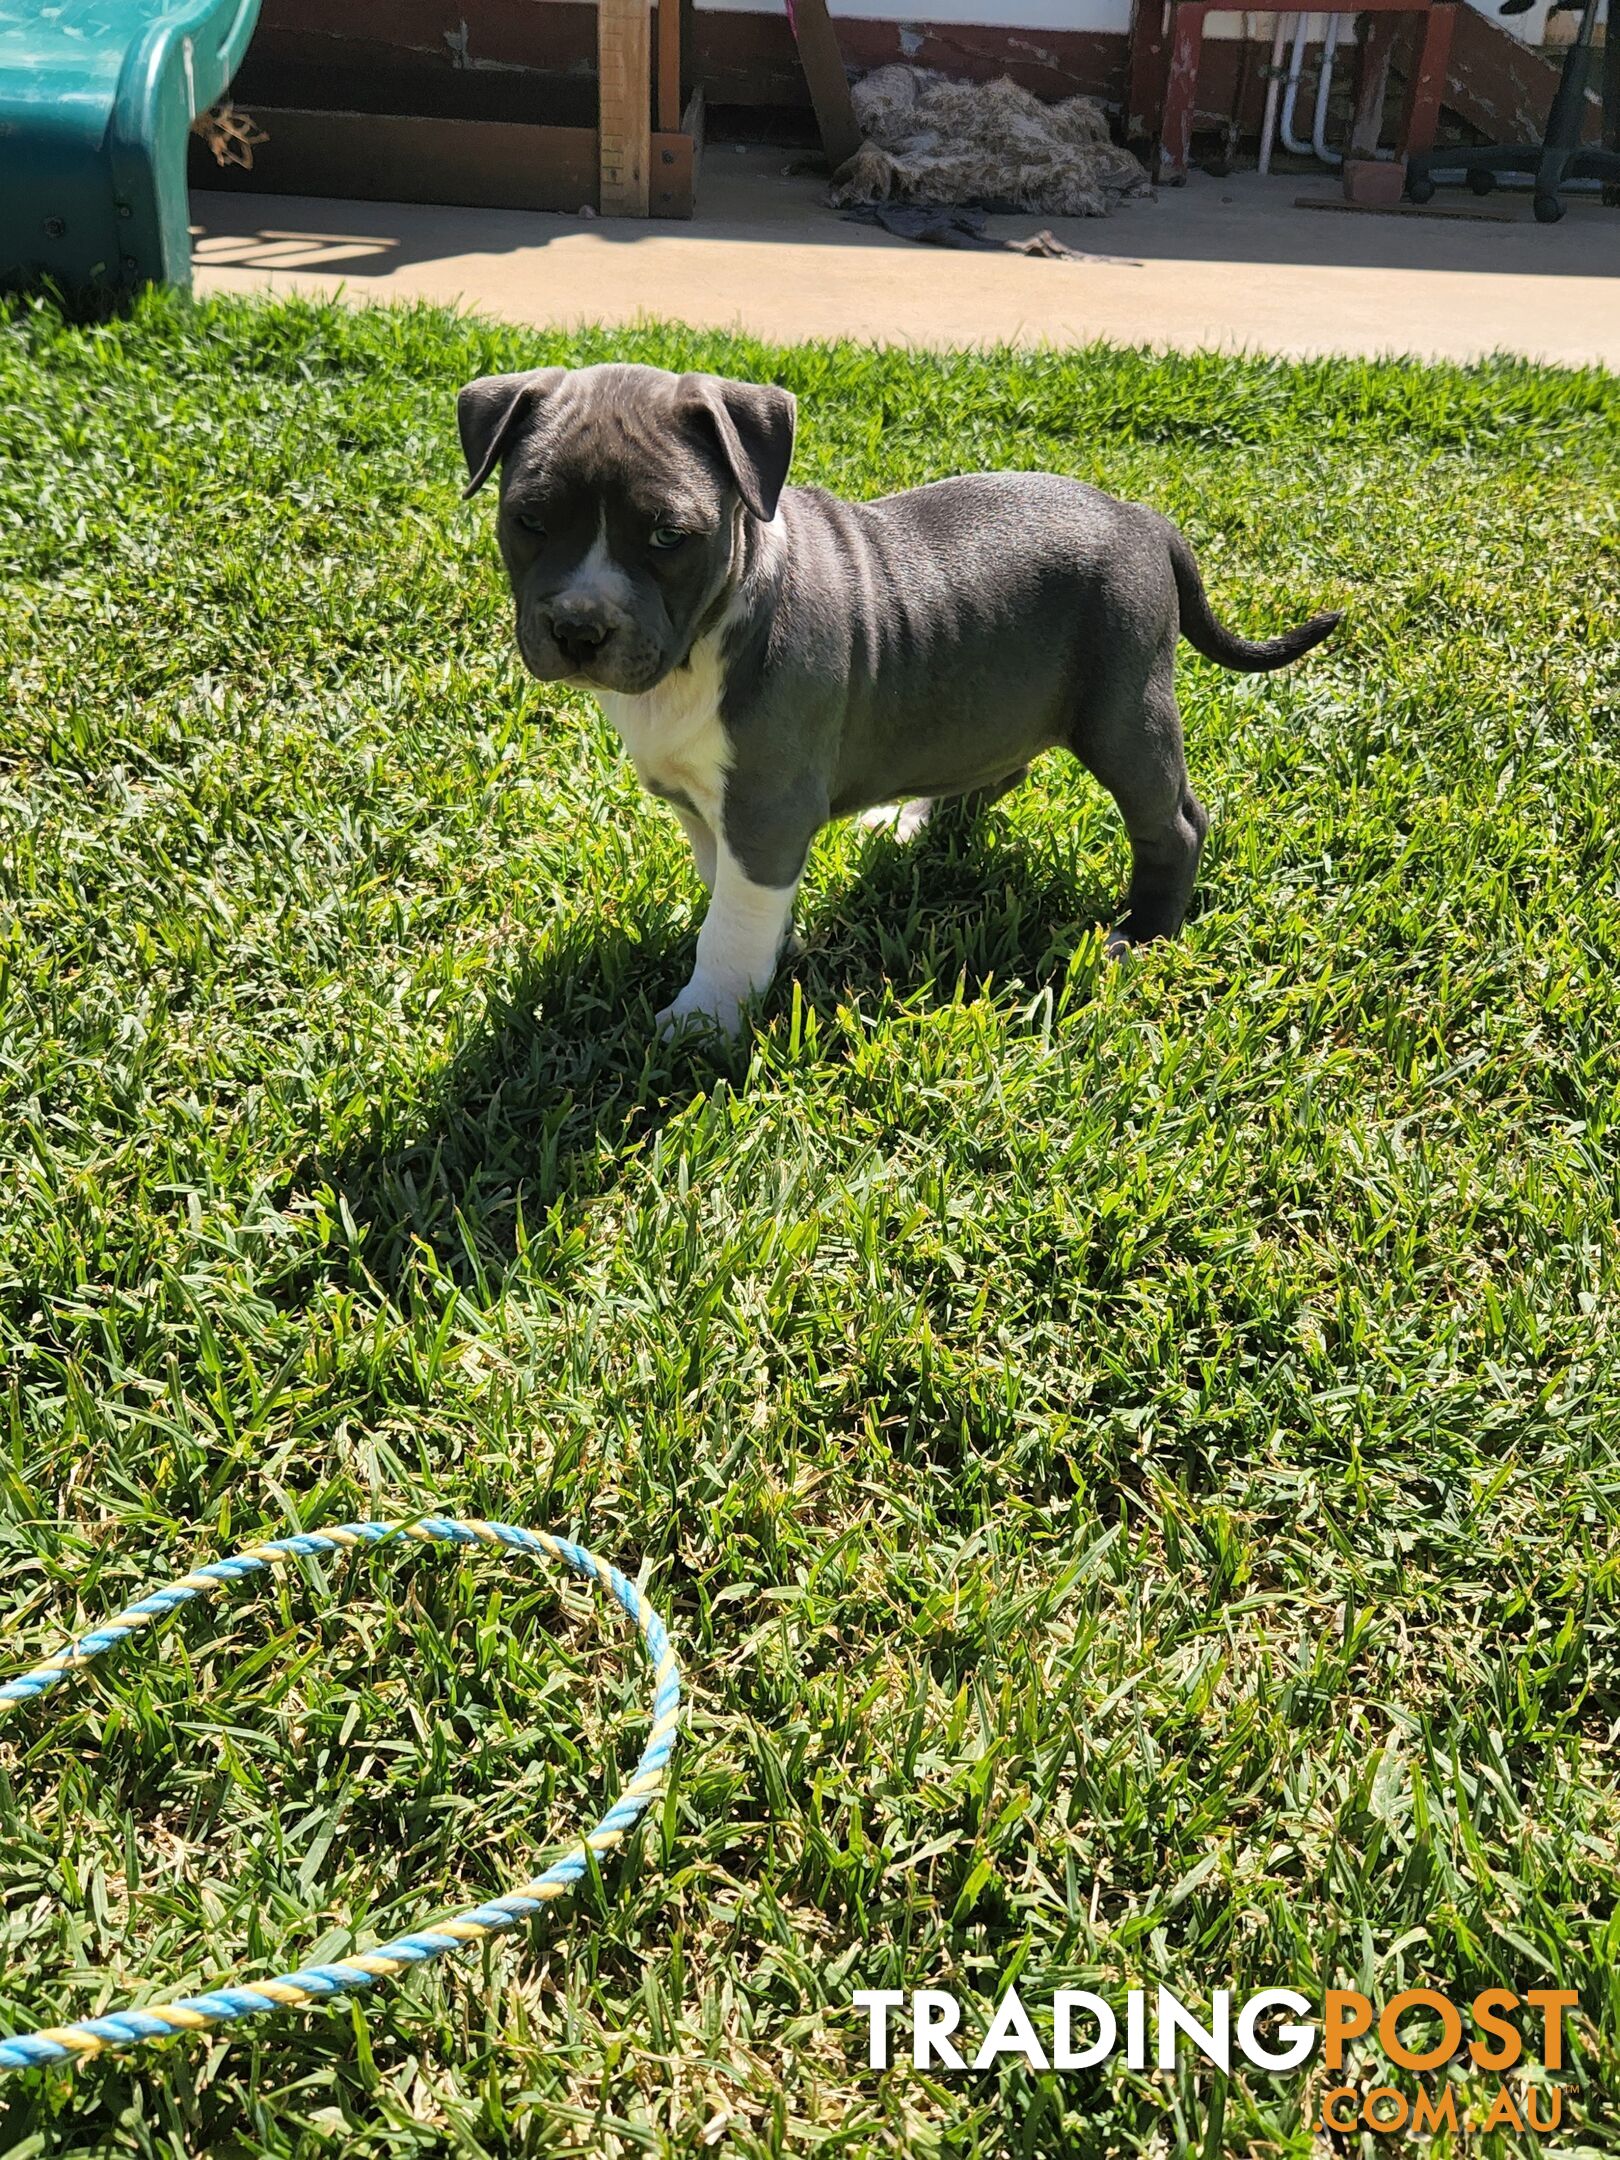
(668, 536)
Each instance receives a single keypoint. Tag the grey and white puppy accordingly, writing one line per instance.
(775, 658)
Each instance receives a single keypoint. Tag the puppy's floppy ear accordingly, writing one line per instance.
(754, 423)
(490, 413)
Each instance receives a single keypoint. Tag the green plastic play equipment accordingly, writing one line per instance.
(97, 98)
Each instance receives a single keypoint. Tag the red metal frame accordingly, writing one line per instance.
(1167, 41)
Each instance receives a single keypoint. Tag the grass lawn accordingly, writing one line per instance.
(1129, 1456)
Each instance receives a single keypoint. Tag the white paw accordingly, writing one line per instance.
(904, 820)
(700, 1011)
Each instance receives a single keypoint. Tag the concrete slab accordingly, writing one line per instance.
(1226, 264)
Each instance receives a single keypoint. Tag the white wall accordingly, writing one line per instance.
(1087, 15)
(998, 14)
(1093, 15)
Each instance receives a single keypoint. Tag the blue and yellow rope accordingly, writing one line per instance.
(315, 1983)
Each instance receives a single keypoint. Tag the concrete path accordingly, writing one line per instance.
(1220, 263)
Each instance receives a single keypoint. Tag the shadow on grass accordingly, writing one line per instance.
(969, 902)
(565, 1082)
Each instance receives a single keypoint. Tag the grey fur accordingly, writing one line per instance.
(926, 645)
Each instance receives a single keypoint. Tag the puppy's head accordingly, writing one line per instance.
(623, 491)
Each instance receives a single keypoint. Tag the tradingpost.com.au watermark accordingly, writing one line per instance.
(1275, 2029)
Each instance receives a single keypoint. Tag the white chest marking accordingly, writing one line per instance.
(674, 733)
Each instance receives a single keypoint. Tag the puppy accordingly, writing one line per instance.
(774, 658)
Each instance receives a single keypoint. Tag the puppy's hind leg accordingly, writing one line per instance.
(1137, 754)
(907, 820)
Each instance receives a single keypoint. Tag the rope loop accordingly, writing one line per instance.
(315, 1983)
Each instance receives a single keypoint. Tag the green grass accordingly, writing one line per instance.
(1129, 1456)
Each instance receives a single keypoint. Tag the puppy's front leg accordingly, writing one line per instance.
(737, 948)
(702, 843)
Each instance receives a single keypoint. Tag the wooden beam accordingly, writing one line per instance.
(669, 65)
(624, 126)
(823, 66)
(1180, 92)
(676, 157)
(485, 164)
(1503, 88)
(1378, 38)
(394, 157)
(1148, 67)
(1427, 83)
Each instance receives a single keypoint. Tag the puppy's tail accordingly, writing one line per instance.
(1249, 656)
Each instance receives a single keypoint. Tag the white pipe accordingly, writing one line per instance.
(1324, 86)
(1268, 126)
(1296, 67)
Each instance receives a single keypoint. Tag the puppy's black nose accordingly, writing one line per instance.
(579, 637)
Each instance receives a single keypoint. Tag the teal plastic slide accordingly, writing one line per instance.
(97, 98)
